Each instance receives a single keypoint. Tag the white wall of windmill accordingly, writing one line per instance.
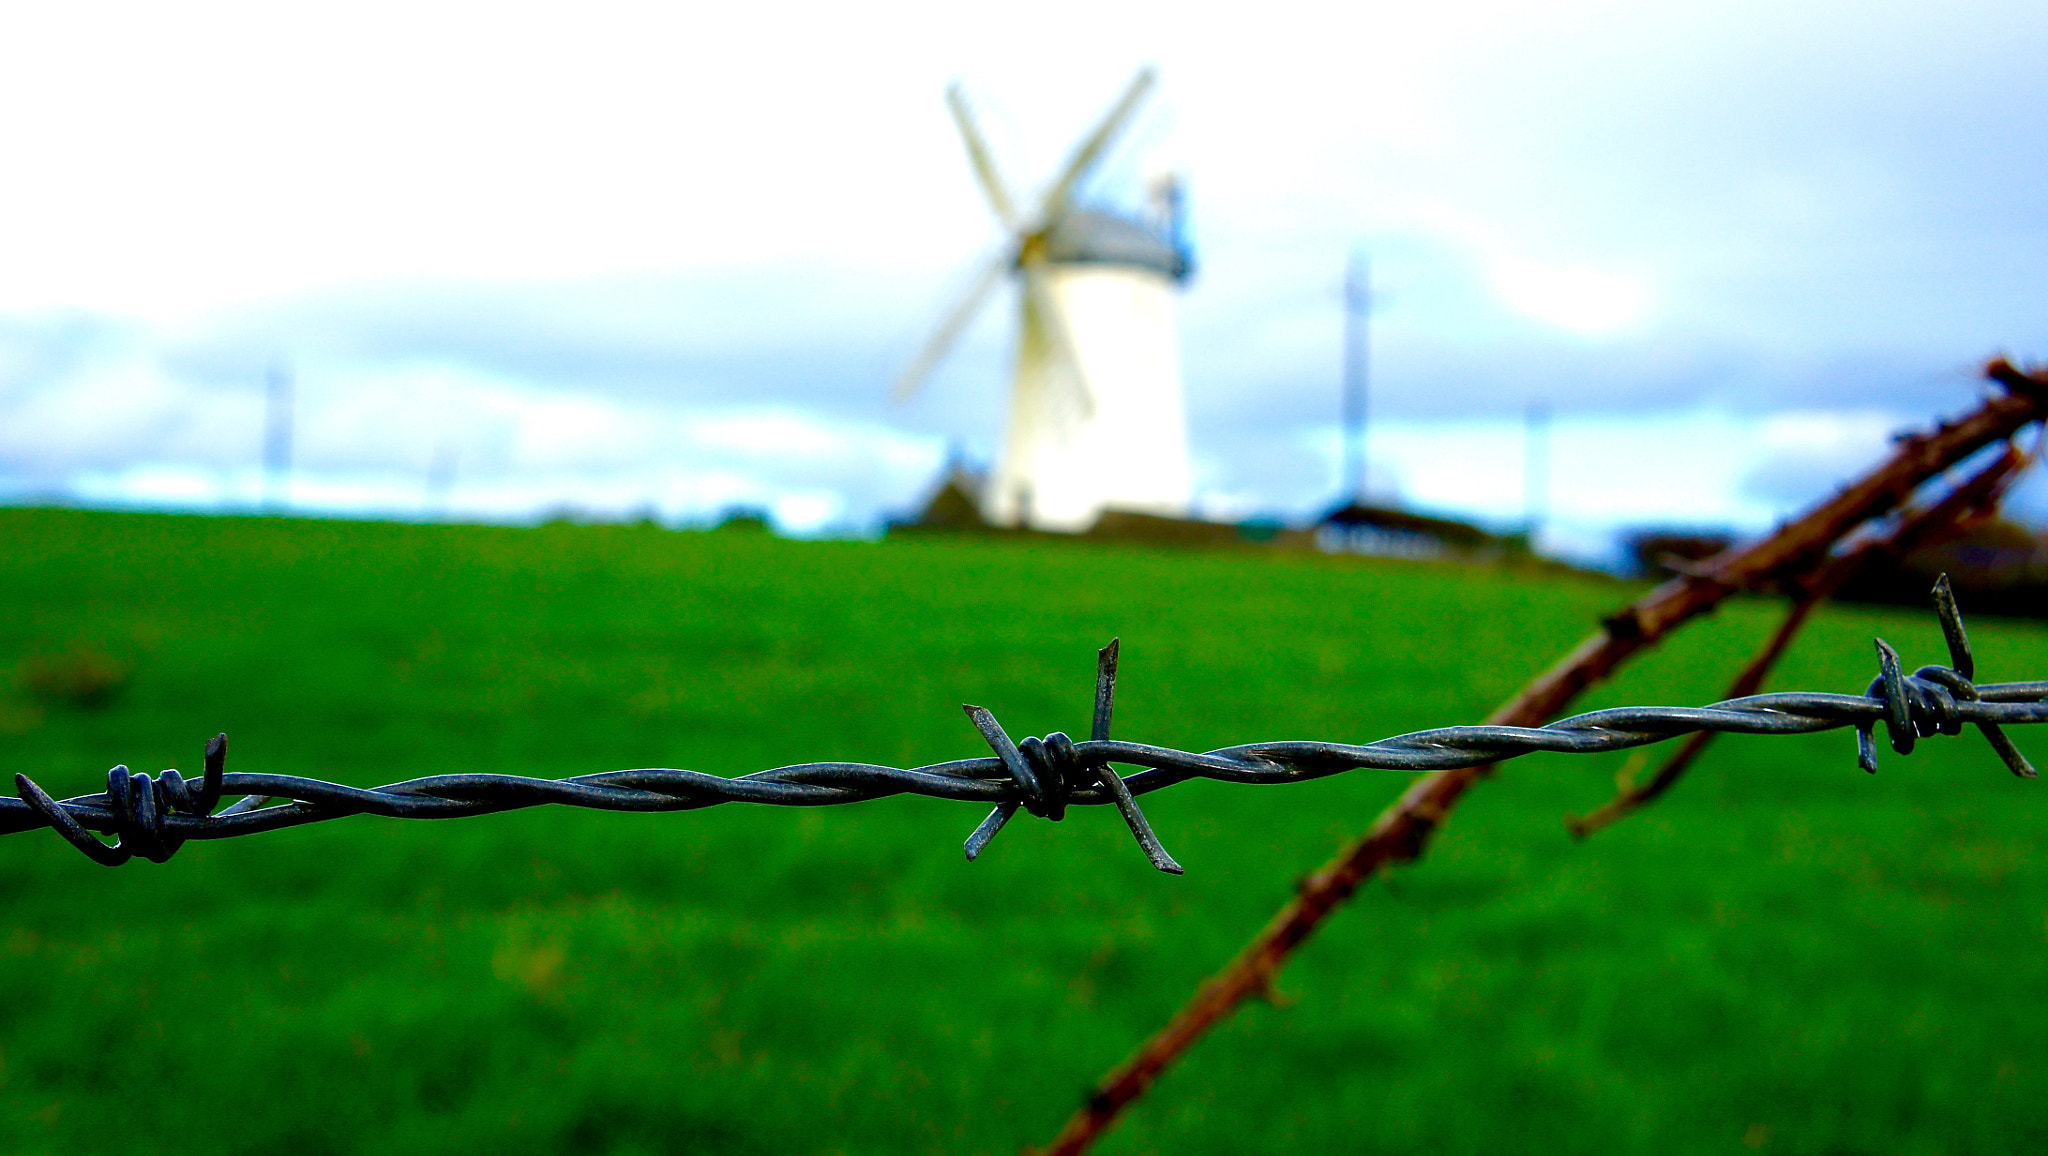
(1066, 460)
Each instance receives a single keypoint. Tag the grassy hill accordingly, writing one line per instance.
(1786, 953)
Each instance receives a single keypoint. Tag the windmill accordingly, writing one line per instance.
(1096, 417)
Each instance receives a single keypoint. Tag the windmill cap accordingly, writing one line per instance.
(1091, 237)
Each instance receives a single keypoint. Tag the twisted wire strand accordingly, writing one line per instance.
(152, 817)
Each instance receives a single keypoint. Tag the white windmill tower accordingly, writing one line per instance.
(1097, 420)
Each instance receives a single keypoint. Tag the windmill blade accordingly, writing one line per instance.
(956, 322)
(978, 154)
(1042, 311)
(1054, 204)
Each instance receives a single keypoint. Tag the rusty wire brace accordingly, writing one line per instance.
(152, 817)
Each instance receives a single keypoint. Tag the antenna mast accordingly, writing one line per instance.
(1536, 469)
(1357, 304)
(277, 436)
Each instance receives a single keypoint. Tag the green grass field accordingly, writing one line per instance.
(1785, 955)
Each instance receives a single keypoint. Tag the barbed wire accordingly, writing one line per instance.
(153, 816)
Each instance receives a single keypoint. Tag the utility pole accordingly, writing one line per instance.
(1536, 468)
(277, 437)
(1357, 305)
(440, 478)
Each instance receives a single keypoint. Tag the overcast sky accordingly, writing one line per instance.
(670, 256)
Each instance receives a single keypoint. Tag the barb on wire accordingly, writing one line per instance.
(1050, 770)
(1915, 526)
(1927, 703)
(153, 817)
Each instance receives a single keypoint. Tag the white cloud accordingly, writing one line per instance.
(667, 253)
(1608, 472)
(369, 442)
(1592, 302)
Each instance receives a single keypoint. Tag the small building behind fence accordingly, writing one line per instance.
(1360, 528)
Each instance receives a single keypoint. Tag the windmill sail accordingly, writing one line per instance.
(1096, 418)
